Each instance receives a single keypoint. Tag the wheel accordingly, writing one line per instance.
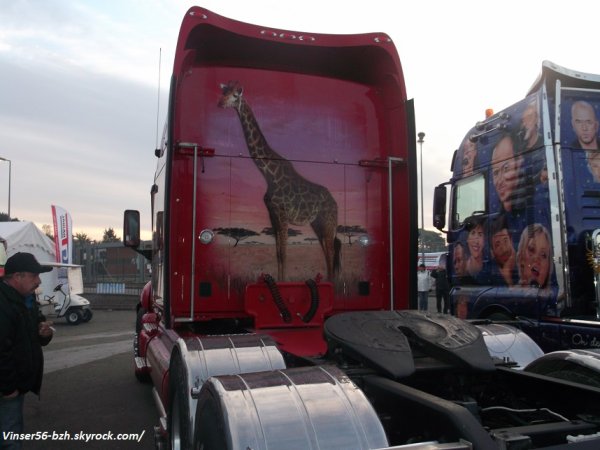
(178, 417)
(74, 316)
(87, 315)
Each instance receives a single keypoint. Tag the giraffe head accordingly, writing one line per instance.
(231, 95)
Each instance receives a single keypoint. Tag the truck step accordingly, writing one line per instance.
(141, 363)
(150, 327)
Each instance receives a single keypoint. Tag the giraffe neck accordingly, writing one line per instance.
(265, 158)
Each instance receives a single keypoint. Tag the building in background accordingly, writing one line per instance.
(111, 268)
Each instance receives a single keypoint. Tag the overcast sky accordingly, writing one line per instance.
(79, 92)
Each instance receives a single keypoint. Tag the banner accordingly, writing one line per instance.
(63, 235)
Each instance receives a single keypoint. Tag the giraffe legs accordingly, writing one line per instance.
(324, 227)
(280, 231)
(281, 247)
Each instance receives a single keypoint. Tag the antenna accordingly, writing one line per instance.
(158, 96)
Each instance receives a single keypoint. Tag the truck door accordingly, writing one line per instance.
(577, 131)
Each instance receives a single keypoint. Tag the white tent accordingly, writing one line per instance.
(27, 237)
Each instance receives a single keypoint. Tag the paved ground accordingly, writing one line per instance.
(89, 387)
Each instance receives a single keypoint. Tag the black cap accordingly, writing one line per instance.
(24, 262)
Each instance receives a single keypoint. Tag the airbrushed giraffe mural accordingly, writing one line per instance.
(290, 199)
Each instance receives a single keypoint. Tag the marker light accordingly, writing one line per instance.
(206, 236)
(363, 240)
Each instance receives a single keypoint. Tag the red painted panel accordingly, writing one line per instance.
(295, 298)
(306, 148)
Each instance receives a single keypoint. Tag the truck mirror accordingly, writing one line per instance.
(131, 228)
(439, 207)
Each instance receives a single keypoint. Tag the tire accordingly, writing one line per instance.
(87, 315)
(74, 316)
(178, 420)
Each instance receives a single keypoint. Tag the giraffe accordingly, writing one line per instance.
(290, 199)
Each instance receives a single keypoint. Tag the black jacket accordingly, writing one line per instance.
(441, 280)
(21, 357)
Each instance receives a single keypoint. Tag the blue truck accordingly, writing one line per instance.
(523, 223)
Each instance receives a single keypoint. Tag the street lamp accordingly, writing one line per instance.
(9, 170)
(420, 141)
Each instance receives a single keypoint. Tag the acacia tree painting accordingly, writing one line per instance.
(351, 231)
(237, 234)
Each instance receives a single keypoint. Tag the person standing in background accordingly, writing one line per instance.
(423, 286)
(442, 289)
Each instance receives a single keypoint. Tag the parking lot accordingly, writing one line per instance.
(89, 392)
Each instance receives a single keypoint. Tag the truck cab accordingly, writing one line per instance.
(523, 220)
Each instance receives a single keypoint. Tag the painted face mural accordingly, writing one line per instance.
(459, 260)
(534, 256)
(585, 125)
(510, 159)
(502, 248)
(475, 242)
(530, 126)
(593, 162)
(536, 187)
(505, 171)
(469, 153)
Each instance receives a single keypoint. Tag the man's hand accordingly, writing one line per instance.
(45, 329)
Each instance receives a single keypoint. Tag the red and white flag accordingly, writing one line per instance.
(63, 234)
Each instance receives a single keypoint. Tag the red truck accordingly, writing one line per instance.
(284, 264)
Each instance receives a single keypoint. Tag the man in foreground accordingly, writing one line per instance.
(23, 332)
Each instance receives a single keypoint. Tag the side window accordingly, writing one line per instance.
(469, 197)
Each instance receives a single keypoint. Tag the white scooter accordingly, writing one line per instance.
(69, 304)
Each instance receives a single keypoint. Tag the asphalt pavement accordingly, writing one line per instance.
(89, 391)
